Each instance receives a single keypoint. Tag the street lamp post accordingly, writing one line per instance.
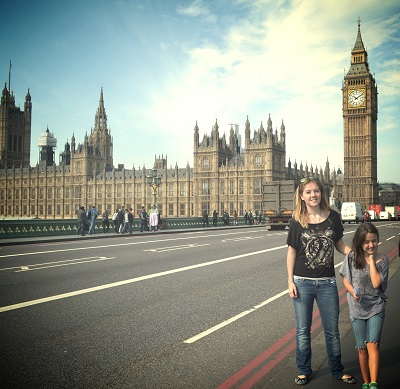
(154, 181)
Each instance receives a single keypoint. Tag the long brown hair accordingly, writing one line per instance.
(300, 212)
(358, 240)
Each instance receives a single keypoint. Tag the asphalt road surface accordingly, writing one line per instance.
(202, 309)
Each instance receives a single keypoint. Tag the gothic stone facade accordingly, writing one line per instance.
(224, 176)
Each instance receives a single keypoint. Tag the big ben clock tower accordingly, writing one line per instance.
(360, 114)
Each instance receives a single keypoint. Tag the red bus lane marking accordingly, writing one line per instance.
(274, 362)
(290, 336)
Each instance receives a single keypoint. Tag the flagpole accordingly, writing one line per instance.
(9, 78)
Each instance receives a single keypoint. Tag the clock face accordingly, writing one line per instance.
(356, 98)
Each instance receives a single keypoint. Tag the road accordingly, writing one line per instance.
(203, 309)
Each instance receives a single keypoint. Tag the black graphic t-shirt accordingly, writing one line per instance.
(315, 246)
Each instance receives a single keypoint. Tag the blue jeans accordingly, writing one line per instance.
(143, 226)
(91, 229)
(326, 295)
(368, 330)
(128, 227)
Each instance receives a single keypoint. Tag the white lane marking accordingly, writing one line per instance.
(392, 237)
(130, 281)
(40, 266)
(48, 263)
(234, 318)
(173, 248)
(240, 239)
(120, 244)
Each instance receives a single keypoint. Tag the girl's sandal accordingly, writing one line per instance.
(348, 380)
(302, 380)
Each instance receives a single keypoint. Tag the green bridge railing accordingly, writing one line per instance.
(19, 228)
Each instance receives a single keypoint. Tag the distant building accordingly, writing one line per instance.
(389, 194)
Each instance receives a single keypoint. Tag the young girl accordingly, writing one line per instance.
(365, 276)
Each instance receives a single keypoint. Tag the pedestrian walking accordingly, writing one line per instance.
(143, 220)
(128, 221)
(250, 217)
(105, 222)
(205, 218)
(92, 216)
(235, 216)
(115, 221)
(153, 220)
(120, 221)
(225, 218)
(215, 218)
(82, 220)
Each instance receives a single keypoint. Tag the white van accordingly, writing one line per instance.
(351, 212)
(385, 215)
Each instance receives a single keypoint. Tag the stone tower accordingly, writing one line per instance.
(96, 153)
(15, 131)
(360, 114)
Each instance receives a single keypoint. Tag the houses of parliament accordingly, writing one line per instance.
(225, 175)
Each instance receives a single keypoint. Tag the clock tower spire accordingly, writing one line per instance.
(360, 115)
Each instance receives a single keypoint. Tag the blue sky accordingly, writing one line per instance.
(164, 65)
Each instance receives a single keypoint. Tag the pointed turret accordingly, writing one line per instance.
(359, 45)
(269, 124)
(73, 143)
(232, 143)
(100, 137)
(359, 56)
(215, 133)
(196, 136)
(327, 170)
(247, 131)
(283, 135)
(28, 105)
(101, 117)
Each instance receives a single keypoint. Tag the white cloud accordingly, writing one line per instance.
(197, 9)
(224, 60)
